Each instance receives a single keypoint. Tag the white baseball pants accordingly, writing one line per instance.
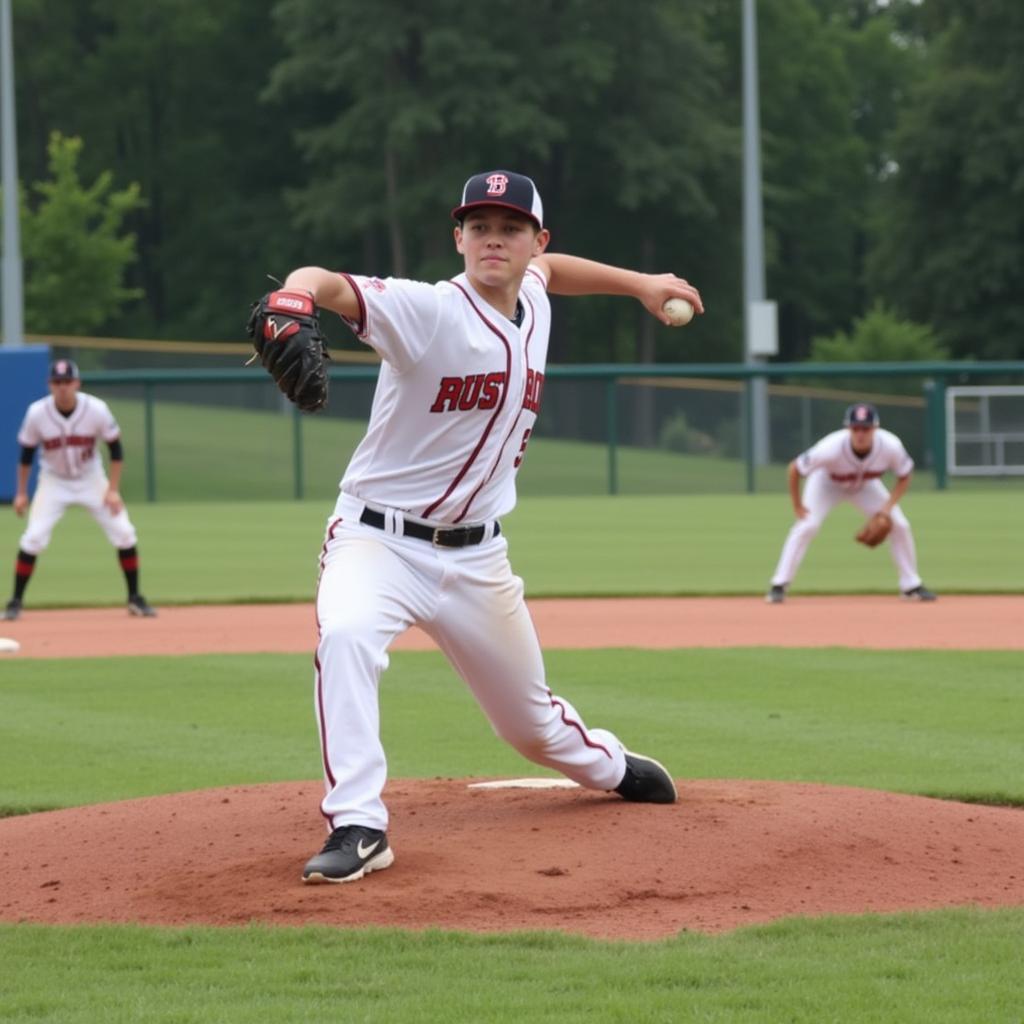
(373, 585)
(55, 495)
(820, 495)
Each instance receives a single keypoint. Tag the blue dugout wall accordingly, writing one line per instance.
(23, 374)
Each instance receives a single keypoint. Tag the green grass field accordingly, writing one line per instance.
(949, 723)
(944, 724)
(921, 722)
(697, 544)
(939, 968)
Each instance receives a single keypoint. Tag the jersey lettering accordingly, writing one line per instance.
(447, 394)
(71, 441)
(476, 391)
(534, 387)
(522, 447)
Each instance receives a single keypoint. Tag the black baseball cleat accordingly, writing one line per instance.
(920, 593)
(137, 605)
(350, 852)
(646, 781)
(13, 610)
(777, 594)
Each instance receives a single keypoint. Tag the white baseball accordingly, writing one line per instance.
(679, 311)
(8, 646)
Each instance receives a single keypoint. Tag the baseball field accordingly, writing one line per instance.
(847, 845)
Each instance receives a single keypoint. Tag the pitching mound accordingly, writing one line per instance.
(728, 854)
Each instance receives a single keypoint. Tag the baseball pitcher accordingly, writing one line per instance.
(416, 534)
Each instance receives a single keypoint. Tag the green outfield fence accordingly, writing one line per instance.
(607, 428)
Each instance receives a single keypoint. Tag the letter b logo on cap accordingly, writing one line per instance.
(497, 184)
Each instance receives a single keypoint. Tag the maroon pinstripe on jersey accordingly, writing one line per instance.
(429, 511)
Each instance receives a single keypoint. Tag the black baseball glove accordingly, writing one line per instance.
(285, 331)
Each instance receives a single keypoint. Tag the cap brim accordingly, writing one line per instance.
(460, 211)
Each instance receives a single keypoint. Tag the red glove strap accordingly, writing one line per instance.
(291, 302)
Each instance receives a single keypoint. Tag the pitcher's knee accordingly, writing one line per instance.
(349, 639)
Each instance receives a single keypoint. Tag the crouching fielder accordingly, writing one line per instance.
(66, 428)
(847, 465)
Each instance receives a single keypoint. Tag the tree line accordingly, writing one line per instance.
(233, 140)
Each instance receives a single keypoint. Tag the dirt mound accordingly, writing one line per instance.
(729, 853)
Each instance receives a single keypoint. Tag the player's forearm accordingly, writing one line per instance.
(114, 475)
(793, 475)
(329, 289)
(23, 472)
(573, 275)
(900, 488)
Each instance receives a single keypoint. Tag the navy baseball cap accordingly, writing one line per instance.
(501, 188)
(862, 414)
(64, 369)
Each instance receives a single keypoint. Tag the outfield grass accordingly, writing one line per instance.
(944, 724)
(699, 544)
(100, 729)
(934, 723)
(938, 968)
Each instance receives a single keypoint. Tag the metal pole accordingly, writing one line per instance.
(13, 319)
(148, 431)
(297, 453)
(611, 413)
(753, 229)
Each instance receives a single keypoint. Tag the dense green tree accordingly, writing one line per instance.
(167, 94)
(75, 248)
(879, 336)
(588, 101)
(949, 223)
(266, 133)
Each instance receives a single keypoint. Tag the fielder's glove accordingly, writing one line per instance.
(875, 530)
(285, 331)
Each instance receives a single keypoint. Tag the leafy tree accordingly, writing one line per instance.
(167, 93)
(879, 336)
(949, 223)
(589, 102)
(75, 249)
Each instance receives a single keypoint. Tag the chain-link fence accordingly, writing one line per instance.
(200, 426)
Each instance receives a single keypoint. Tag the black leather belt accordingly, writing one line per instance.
(442, 537)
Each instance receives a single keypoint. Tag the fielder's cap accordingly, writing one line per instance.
(501, 188)
(64, 369)
(862, 414)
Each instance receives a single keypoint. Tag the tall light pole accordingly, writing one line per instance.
(758, 315)
(13, 320)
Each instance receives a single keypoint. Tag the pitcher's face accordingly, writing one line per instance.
(498, 244)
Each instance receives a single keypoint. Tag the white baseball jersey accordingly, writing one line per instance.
(456, 400)
(835, 455)
(67, 444)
